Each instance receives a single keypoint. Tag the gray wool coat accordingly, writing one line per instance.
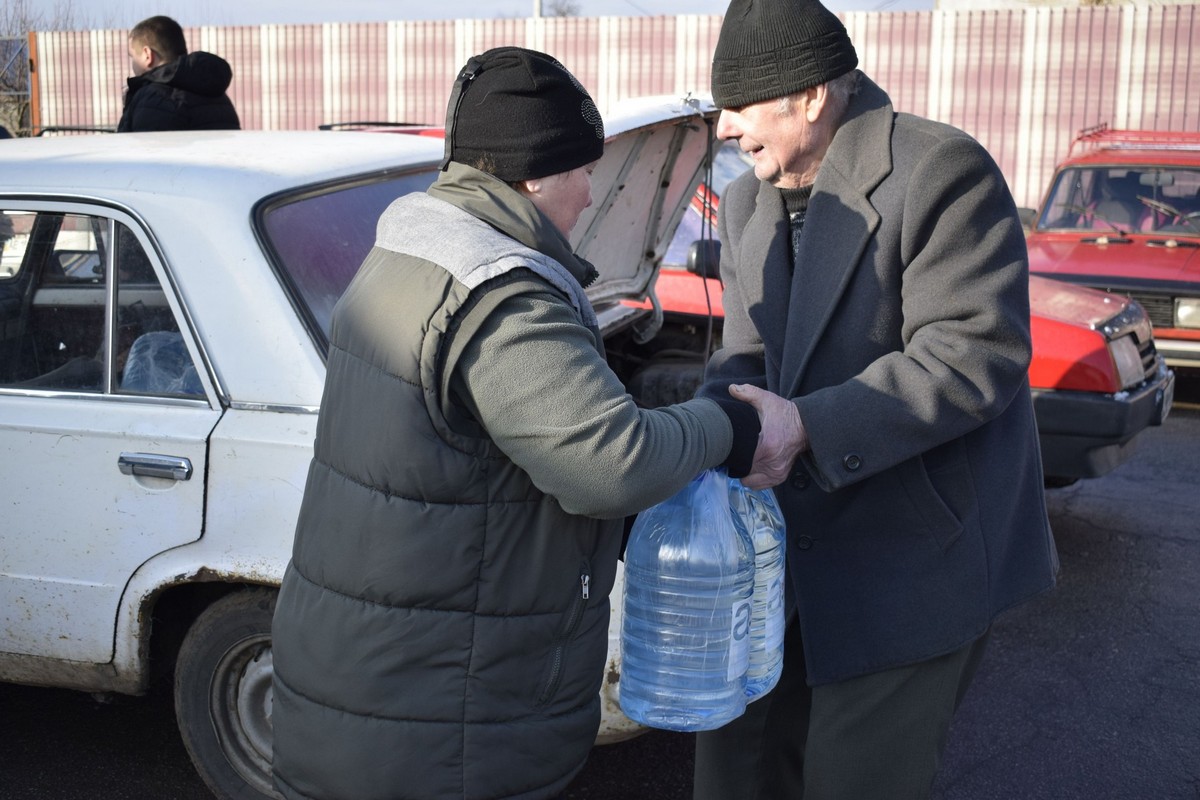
(903, 338)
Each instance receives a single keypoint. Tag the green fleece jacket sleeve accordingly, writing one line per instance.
(532, 377)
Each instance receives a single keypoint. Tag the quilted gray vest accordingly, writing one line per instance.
(435, 635)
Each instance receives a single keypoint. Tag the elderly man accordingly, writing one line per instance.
(876, 277)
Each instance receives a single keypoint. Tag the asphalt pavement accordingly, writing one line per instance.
(1093, 690)
(1089, 692)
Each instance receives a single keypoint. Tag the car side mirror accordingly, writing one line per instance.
(704, 258)
(1027, 216)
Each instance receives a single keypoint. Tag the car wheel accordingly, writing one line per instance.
(223, 694)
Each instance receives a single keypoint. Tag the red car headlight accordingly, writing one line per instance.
(1187, 312)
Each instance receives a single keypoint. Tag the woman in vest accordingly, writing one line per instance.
(442, 627)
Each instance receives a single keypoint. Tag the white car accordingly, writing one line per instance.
(164, 303)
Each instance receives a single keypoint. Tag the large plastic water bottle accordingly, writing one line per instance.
(758, 513)
(685, 632)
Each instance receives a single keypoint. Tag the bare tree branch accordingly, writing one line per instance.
(17, 19)
(562, 8)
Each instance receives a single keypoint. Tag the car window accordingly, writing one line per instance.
(1129, 199)
(14, 238)
(66, 325)
(691, 228)
(729, 162)
(151, 356)
(319, 239)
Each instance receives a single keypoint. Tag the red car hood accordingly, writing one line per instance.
(1142, 257)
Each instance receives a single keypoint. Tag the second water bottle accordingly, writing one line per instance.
(757, 513)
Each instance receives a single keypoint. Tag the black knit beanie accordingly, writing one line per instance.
(524, 113)
(775, 48)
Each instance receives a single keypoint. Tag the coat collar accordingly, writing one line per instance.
(838, 225)
(493, 201)
(866, 131)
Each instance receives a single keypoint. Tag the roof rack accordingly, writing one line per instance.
(1102, 137)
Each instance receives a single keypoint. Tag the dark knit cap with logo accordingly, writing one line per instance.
(522, 114)
(775, 48)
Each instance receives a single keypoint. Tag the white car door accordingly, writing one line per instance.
(104, 421)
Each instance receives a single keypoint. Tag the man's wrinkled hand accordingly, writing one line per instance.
(781, 439)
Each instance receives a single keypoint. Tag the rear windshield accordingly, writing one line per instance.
(319, 239)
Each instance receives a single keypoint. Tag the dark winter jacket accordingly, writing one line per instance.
(185, 94)
(441, 631)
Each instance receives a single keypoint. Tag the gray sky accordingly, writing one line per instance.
(125, 13)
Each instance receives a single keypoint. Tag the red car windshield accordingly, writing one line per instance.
(1125, 199)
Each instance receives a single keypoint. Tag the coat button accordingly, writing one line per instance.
(800, 479)
(852, 462)
(804, 542)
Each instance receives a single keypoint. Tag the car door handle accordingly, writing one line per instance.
(155, 466)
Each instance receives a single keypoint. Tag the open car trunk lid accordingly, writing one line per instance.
(653, 161)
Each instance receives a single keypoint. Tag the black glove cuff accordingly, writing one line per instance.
(746, 428)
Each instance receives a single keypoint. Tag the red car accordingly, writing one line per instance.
(1096, 376)
(1123, 214)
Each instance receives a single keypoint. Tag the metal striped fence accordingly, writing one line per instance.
(1021, 81)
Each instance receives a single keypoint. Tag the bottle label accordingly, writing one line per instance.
(739, 641)
(773, 630)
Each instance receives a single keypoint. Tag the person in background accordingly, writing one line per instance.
(442, 627)
(876, 277)
(172, 89)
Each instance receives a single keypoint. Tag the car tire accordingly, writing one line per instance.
(223, 694)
